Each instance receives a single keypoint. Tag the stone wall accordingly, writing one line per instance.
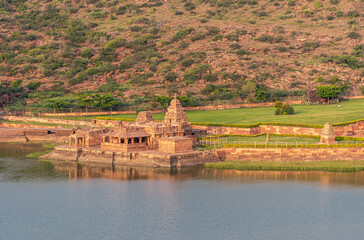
(34, 134)
(26, 126)
(289, 130)
(352, 129)
(146, 159)
(228, 130)
(12, 135)
(290, 154)
(106, 123)
(175, 145)
(48, 120)
(355, 129)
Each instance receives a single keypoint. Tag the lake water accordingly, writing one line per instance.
(59, 200)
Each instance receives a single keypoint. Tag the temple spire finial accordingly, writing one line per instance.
(175, 95)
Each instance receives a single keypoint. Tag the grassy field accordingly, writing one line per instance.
(310, 114)
(331, 166)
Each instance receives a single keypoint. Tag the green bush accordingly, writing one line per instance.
(328, 92)
(354, 35)
(210, 77)
(181, 34)
(98, 14)
(171, 76)
(108, 54)
(116, 43)
(33, 85)
(187, 62)
(283, 109)
(76, 32)
(189, 6)
(86, 53)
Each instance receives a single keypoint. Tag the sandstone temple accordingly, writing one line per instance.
(173, 134)
(147, 142)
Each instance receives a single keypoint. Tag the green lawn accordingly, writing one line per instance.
(310, 114)
(331, 166)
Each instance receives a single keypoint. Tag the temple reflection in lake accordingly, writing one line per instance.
(118, 172)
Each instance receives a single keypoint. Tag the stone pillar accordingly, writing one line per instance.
(328, 134)
(268, 137)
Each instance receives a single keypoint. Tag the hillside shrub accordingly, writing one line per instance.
(354, 35)
(86, 53)
(171, 76)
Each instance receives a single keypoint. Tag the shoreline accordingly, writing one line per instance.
(290, 166)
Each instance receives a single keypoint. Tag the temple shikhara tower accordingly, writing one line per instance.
(328, 134)
(175, 113)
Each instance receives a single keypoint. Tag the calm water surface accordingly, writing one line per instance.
(59, 200)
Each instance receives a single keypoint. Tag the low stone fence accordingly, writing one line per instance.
(25, 126)
(48, 120)
(289, 130)
(34, 134)
(352, 129)
(228, 130)
(290, 154)
(92, 113)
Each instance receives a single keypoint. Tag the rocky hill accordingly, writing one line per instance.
(204, 49)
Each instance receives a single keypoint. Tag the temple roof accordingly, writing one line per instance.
(128, 134)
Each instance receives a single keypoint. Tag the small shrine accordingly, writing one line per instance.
(86, 138)
(328, 134)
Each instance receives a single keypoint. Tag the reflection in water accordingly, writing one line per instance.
(91, 170)
(14, 165)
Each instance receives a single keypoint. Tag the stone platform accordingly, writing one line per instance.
(142, 158)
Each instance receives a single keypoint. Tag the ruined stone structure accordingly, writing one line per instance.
(143, 134)
(144, 117)
(86, 137)
(327, 134)
(144, 142)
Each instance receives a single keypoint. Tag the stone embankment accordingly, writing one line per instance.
(48, 121)
(145, 158)
(34, 134)
(290, 154)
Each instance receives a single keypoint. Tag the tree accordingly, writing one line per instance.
(98, 100)
(283, 108)
(328, 92)
(262, 95)
(163, 100)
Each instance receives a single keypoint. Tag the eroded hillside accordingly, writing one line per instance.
(207, 49)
